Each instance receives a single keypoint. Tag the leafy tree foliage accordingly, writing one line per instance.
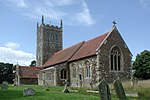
(33, 63)
(141, 65)
(6, 72)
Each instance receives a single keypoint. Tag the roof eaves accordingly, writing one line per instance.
(82, 57)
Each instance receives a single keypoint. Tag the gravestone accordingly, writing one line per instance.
(119, 90)
(66, 85)
(104, 90)
(134, 82)
(28, 92)
(4, 86)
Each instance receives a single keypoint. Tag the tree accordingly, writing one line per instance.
(6, 72)
(141, 65)
(33, 63)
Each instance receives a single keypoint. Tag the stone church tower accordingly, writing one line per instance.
(49, 41)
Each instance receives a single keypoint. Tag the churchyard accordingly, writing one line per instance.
(142, 88)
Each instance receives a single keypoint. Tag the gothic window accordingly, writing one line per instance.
(56, 37)
(115, 59)
(52, 38)
(63, 74)
(88, 70)
(74, 71)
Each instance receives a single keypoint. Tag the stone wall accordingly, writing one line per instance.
(81, 79)
(29, 81)
(114, 39)
(59, 67)
(51, 76)
(100, 64)
(49, 41)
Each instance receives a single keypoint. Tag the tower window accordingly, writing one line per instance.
(63, 74)
(52, 38)
(115, 59)
(56, 37)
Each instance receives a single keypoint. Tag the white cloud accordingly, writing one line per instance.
(84, 16)
(49, 3)
(145, 3)
(12, 45)
(55, 10)
(63, 2)
(10, 55)
(17, 3)
(53, 3)
(48, 13)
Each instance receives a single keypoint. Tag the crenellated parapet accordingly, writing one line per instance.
(52, 27)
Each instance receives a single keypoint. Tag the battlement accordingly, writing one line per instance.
(50, 36)
(52, 26)
(49, 25)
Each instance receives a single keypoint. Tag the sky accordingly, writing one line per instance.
(82, 20)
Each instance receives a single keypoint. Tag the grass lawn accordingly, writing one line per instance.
(54, 93)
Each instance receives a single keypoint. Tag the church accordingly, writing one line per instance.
(87, 62)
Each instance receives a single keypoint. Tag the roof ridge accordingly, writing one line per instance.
(55, 59)
(77, 50)
(97, 37)
(69, 47)
(88, 48)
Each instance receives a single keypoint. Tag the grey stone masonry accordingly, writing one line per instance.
(28, 92)
(104, 90)
(49, 41)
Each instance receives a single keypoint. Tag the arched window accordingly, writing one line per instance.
(115, 59)
(56, 37)
(52, 38)
(74, 71)
(88, 70)
(63, 74)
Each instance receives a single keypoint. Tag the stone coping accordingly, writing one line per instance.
(130, 94)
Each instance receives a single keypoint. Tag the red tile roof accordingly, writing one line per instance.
(89, 47)
(28, 72)
(78, 51)
(63, 55)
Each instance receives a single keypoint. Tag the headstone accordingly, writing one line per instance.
(119, 90)
(28, 92)
(66, 85)
(104, 90)
(4, 86)
(134, 81)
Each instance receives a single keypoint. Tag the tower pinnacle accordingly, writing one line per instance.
(37, 25)
(61, 23)
(42, 19)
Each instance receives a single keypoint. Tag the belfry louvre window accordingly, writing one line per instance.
(115, 59)
(52, 38)
(63, 74)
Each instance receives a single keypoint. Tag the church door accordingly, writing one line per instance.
(80, 79)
